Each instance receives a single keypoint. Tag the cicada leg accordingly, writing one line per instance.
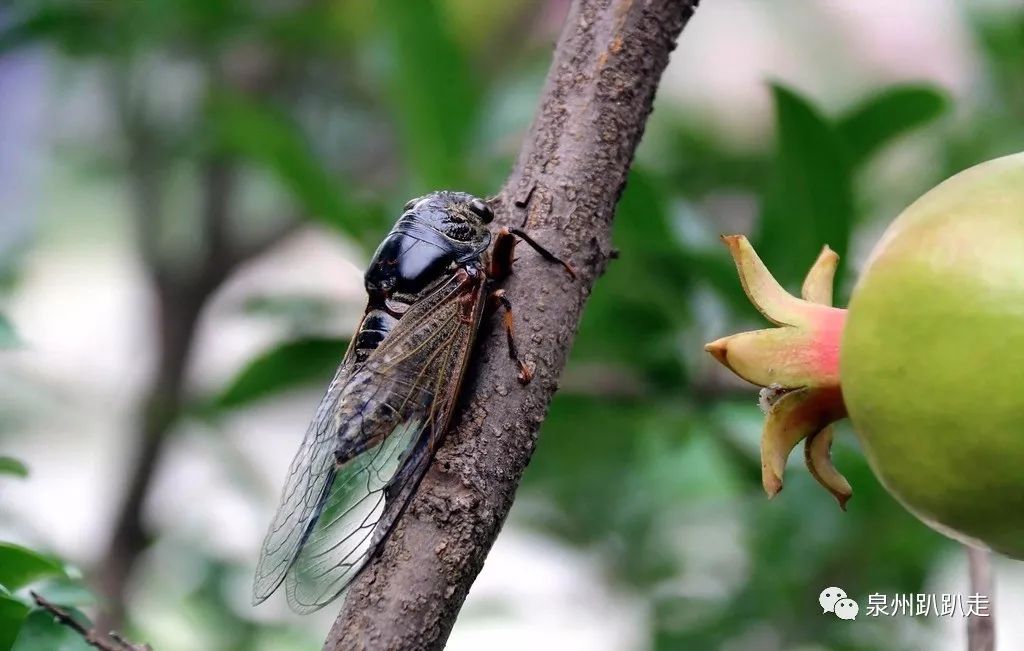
(499, 268)
(497, 299)
(504, 246)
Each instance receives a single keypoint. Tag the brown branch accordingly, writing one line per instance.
(564, 189)
(111, 642)
(981, 631)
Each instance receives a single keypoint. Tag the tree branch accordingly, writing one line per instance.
(981, 631)
(180, 295)
(564, 188)
(111, 642)
(181, 291)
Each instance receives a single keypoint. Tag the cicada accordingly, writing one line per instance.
(384, 414)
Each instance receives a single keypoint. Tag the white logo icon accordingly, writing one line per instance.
(829, 597)
(847, 609)
(834, 600)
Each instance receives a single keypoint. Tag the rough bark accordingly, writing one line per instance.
(564, 188)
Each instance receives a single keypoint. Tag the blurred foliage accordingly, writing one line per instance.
(24, 626)
(8, 337)
(21, 566)
(10, 466)
(40, 631)
(648, 458)
(809, 200)
(869, 126)
(293, 363)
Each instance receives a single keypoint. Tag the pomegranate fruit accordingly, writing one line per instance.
(927, 361)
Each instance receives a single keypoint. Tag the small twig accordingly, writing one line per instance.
(126, 645)
(981, 631)
(113, 642)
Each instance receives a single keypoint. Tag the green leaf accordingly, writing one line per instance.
(41, 632)
(696, 160)
(809, 202)
(11, 466)
(12, 615)
(20, 566)
(110, 29)
(1000, 37)
(273, 140)
(8, 337)
(287, 366)
(882, 118)
(61, 24)
(435, 98)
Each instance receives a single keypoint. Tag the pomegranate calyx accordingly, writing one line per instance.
(797, 363)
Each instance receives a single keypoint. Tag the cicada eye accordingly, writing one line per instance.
(482, 210)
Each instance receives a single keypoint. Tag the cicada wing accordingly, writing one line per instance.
(309, 478)
(354, 513)
(392, 411)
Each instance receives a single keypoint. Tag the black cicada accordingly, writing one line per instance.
(387, 408)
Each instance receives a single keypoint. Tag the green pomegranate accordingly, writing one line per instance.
(928, 361)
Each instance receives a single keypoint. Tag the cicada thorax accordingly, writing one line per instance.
(436, 236)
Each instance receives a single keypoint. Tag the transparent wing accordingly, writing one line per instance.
(308, 480)
(355, 509)
(384, 420)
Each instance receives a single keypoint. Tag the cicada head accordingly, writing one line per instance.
(459, 216)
